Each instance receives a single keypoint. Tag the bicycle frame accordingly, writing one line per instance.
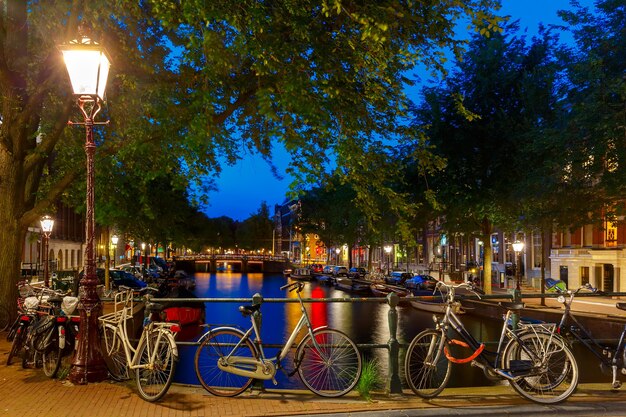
(267, 370)
(117, 321)
(450, 319)
(607, 357)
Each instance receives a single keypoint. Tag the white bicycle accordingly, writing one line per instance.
(229, 359)
(155, 357)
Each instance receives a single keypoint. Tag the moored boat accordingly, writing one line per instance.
(434, 304)
(301, 274)
(346, 283)
(382, 290)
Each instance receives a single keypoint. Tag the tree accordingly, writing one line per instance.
(256, 231)
(195, 80)
(480, 122)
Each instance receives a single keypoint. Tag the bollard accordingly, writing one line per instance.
(394, 386)
(516, 296)
(257, 316)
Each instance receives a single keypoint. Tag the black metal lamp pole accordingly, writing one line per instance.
(88, 67)
(47, 223)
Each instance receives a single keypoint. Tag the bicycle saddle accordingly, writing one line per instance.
(55, 299)
(511, 306)
(247, 310)
(154, 306)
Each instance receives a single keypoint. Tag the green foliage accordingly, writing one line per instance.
(370, 379)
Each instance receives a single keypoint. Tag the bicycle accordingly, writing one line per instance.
(228, 360)
(534, 359)
(611, 358)
(156, 355)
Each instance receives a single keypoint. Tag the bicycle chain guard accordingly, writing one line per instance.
(463, 344)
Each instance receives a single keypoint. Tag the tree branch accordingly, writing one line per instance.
(53, 195)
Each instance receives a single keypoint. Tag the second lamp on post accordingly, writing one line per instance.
(47, 223)
(88, 67)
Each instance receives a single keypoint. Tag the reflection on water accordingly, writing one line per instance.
(363, 322)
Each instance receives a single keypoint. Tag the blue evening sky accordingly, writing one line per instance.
(243, 187)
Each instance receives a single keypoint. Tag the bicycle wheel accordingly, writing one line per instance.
(546, 368)
(113, 353)
(426, 367)
(51, 357)
(17, 344)
(334, 369)
(213, 350)
(12, 328)
(157, 361)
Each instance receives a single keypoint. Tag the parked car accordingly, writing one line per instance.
(357, 272)
(421, 282)
(328, 269)
(340, 270)
(317, 268)
(398, 277)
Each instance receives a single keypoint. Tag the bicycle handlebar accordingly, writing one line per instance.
(292, 286)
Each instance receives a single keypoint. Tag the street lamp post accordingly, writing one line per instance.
(88, 68)
(388, 252)
(518, 247)
(114, 240)
(47, 223)
(337, 251)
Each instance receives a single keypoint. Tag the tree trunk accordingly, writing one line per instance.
(487, 255)
(12, 233)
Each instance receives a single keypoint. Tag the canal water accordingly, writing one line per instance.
(365, 323)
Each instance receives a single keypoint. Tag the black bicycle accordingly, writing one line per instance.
(612, 359)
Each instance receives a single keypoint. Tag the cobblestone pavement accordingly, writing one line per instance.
(29, 393)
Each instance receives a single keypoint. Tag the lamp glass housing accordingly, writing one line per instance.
(114, 239)
(47, 223)
(518, 246)
(88, 67)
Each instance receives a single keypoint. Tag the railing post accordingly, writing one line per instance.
(394, 386)
(257, 316)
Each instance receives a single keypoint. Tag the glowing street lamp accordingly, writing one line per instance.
(337, 251)
(114, 240)
(88, 68)
(47, 223)
(388, 252)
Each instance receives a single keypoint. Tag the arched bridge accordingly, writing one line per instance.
(231, 262)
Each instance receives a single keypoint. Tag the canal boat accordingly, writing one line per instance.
(183, 312)
(301, 274)
(383, 290)
(434, 303)
(343, 282)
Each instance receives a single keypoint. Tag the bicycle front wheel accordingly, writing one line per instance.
(426, 367)
(330, 365)
(157, 360)
(546, 368)
(51, 357)
(214, 349)
(112, 347)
